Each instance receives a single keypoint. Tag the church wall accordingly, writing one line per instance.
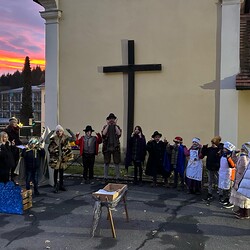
(244, 119)
(179, 34)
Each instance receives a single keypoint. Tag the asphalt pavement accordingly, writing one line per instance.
(159, 218)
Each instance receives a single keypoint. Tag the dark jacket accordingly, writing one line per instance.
(213, 157)
(136, 149)
(32, 158)
(13, 134)
(155, 159)
(7, 161)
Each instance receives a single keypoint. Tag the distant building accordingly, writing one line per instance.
(11, 103)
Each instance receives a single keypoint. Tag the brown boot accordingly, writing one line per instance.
(243, 214)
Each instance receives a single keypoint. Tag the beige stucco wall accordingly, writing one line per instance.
(244, 118)
(179, 34)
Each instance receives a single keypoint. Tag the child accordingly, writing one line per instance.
(212, 164)
(89, 146)
(225, 173)
(156, 149)
(32, 161)
(136, 152)
(194, 167)
(60, 153)
(236, 198)
(7, 161)
(177, 160)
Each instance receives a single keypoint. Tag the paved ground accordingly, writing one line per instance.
(160, 218)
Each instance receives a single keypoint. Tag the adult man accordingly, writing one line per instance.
(111, 145)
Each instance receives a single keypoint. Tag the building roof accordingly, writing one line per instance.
(34, 88)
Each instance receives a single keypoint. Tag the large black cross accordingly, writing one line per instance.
(130, 69)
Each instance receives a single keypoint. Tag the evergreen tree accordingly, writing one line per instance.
(26, 111)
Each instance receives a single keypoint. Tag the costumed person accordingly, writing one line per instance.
(13, 133)
(89, 147)
(32, 156)
(60, 153)
(236, 198)
(226, 173)
(7, 161)
(136, 152)
(156, 149)
(111, 134)
(177, 160)
(194, 167)
(213, 155)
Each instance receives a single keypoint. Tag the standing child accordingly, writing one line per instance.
(32, 156)
(7, 161)
(136, 152)
(89, 146)
(177, 160)
(156, 149)
(194, 167)
(60, 153)
(225, 173)
(236, 198)
(212, 164)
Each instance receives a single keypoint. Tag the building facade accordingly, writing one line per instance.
(11, 103)
(197, 43)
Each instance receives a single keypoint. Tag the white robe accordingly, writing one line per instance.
(194, 166)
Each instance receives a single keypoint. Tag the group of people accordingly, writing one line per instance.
(225, 166)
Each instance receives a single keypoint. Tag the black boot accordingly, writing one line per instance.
(56, 188)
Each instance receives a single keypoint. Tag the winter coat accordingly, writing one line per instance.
(136, 149)
(98, 141)
(60, 152)
(7, 161)
(177, 157)
(13, 134)
(33, 158)
(236, 198)
(156, 153)
(213, 157)
(244, 185)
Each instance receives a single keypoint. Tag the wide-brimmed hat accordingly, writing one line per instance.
(155, 134)
(178, 139)
(88, 128)
(111, 116)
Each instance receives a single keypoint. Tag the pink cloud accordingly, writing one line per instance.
(22, 34)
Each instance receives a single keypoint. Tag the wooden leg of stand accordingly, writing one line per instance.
(125, 206)
(111, 222)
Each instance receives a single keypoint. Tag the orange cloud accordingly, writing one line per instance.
(10, 62)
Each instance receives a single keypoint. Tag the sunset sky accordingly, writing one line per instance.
(21, 34)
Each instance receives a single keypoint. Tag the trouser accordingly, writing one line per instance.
(212, 180)
(88, 161)
(32, 176)
(60, 171)
(117, 171)
(225, 193)
(137, 166)
(176, 177)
